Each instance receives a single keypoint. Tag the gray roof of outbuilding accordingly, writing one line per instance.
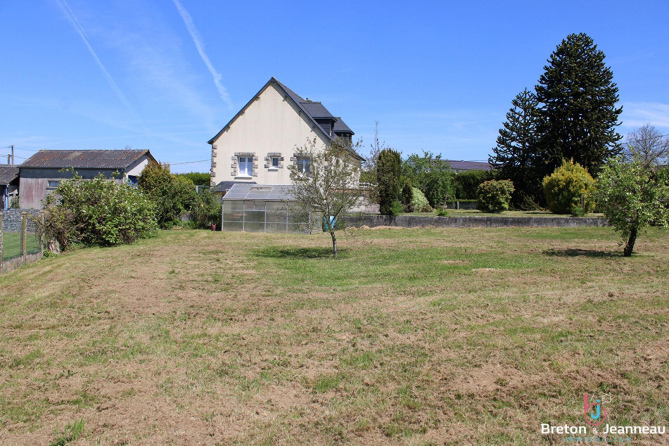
(84, 159)
(8, 174)
(469, 165)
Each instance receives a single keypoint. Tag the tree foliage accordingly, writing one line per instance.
(578, 112)
(647, 145)
(632, 198)
(406, 195)
(432, 175)
(97, 212)
(466, 183)
(329, 190)
(389, 168)
(516, 156)
(173, 195)
(570, 190)
(197, 178)
(494, 195)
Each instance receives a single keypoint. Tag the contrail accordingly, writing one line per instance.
(197, 39)
(80, 30)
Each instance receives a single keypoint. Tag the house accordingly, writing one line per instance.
(9, 185)
(464, 166)
(262, 139)
(43, 172)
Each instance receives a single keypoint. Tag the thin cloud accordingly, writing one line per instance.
(637, 114)
(72, 18)
(197, 39)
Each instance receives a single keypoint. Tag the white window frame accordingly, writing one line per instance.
(246, 168)
(303, 162)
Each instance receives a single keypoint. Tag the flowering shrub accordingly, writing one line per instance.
(494, 195)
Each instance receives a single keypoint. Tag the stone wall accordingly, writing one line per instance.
(11, 220)
(408, 221)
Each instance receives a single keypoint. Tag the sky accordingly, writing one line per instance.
(439, 76)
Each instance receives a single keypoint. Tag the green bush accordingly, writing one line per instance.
(406, 195)
(396, 208)
(494, 195)
(389, 166)
(570, 190)
(206, 211)
(97, 212)
(197, 178)
(173, 195)
(419, 201)
(466, 183)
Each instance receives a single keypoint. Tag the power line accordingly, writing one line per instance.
(189, 162)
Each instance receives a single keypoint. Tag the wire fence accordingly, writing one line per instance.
(20, 241)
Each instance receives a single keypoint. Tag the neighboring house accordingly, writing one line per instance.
(464, 166)
(43, 172)
(260, 142)
(9, 185)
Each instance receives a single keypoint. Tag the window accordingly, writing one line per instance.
(275, 162)
(52, 184)
(303, 165)
(245, 164)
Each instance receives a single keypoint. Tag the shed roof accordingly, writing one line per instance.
(84, 159)
(8, 174)
(266, 192)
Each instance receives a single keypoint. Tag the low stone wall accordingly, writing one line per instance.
(11, 220)
(12, 264)
(408, 221)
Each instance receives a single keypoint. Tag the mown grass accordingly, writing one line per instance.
(11, 244)
(424, 336)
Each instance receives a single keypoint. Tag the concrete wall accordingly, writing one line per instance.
(271, 124)
(407, 221)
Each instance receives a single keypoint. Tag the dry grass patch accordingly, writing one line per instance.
(420, 336)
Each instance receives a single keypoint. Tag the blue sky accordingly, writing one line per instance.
(166, 75)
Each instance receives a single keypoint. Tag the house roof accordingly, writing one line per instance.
(469, 165)
(8, 174)
(84, 159)
(341, 127)
(312, 110)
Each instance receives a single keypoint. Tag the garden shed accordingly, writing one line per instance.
(263, 208)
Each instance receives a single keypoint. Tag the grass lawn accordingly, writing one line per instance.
(11, 244)
(421, 336)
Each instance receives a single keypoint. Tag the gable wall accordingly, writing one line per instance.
(271, 124)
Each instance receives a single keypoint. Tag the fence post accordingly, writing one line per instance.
(24, 228)
(40, 216)
(1, 214)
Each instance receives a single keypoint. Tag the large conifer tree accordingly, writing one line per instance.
(515, 156)
(578, 112)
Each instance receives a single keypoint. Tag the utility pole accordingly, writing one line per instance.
(8, 156)
(12, 146)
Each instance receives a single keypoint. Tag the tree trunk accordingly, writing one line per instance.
(332, 234)
(628, 249)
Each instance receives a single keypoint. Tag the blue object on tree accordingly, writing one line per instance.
(325, 223)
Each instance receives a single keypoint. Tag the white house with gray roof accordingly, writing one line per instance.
(261, 140)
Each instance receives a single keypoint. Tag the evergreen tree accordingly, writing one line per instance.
(388, 179)
(578, 112)
(515, 156)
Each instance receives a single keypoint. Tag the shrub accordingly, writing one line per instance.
(388, 180)
(97, 212)
(432, 175)
(466, 183)
(396, 208)
(419, 201)
(406, 195)
(173, 195)
(494, 195)
(207, 210)
(570, 190)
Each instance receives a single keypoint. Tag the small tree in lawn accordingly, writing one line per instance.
(389, 168)
(329, 189)
(632, 198)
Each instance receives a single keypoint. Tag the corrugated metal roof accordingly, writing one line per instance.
(266, 192)
(8, 174)
(84, 159)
